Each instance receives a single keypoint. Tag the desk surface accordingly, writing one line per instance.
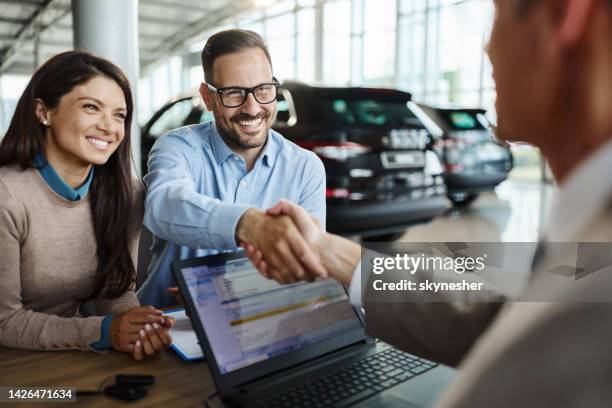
(177, 383)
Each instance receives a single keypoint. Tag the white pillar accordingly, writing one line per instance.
(2, 124)
(109, 28)
(319, 33)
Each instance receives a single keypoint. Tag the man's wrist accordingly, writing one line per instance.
(246, 224)
(339, 256)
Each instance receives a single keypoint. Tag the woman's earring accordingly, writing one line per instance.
(44, 122)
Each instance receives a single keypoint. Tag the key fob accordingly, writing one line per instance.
(141, 380)
(125, 392)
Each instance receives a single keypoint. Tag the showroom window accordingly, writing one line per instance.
(337, 43)
(379, 41)
(11, 88)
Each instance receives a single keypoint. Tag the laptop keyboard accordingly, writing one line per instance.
(353, 383)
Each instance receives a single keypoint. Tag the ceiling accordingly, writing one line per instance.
(31, 31)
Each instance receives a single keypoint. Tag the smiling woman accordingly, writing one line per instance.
(70, 214)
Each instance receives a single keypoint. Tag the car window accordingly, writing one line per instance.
(172, 118)
(282, 108)
(285, 110)
(370, 112)
(462, 120)
(206, 116)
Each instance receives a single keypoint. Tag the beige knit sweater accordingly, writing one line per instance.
(47, 263)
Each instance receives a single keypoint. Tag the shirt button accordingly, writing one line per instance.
(243, 183)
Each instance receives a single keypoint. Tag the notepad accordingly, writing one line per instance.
(184, 339)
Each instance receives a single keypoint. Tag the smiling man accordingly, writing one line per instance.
(207, 182)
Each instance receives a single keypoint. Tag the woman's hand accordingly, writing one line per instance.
(141, 331)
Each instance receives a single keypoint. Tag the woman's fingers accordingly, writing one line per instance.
(153, 337)
(167, 321)
(163, 334)
(137, 353)
(146, 344)
(144, 317)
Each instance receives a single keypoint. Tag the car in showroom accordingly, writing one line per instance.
(380, 176)
(473, 160)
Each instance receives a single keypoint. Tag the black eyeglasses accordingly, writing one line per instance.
(234, 96)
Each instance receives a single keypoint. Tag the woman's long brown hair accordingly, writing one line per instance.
(111, 189)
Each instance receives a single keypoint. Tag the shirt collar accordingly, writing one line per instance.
(58, 185)
(270, 150)
(221, 150)
(581, 197)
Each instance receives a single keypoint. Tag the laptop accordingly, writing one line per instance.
(304, 344)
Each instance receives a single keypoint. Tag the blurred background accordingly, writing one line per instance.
(433, 50)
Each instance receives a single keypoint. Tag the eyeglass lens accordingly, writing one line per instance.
(233, 97)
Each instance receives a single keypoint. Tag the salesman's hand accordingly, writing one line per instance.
(288, 256)
(308, 226)
(338, 255)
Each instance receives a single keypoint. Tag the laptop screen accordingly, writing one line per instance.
(249, 319)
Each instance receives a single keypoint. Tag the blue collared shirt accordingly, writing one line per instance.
(64, 190)
(198, 188)
(58, 185)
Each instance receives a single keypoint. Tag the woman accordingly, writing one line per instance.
(70, 215)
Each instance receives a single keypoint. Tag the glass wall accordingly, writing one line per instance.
(11, 88)
(431, 48)
(441, 56)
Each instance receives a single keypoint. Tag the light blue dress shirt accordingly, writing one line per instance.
(198, 188)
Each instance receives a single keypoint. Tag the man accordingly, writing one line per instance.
(206, 181)
(552, 62)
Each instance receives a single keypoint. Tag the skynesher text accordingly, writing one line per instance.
(427, 286)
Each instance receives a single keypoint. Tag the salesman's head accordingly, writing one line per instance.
(552, 61)
(239, 87)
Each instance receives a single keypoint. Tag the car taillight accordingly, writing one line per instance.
(454, 168)
(336, 151)
(337, 192)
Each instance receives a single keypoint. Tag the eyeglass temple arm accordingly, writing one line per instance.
(211, 88)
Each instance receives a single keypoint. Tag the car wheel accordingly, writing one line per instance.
(394, 236)
(462, 199)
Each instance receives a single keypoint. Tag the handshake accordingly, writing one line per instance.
(288, 245)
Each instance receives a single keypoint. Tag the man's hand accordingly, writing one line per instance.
(288, 256)
(174, 291)
(140, 331)
(338, 255)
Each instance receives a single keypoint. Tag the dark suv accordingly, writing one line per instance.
(380, 179)
(473, 160)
